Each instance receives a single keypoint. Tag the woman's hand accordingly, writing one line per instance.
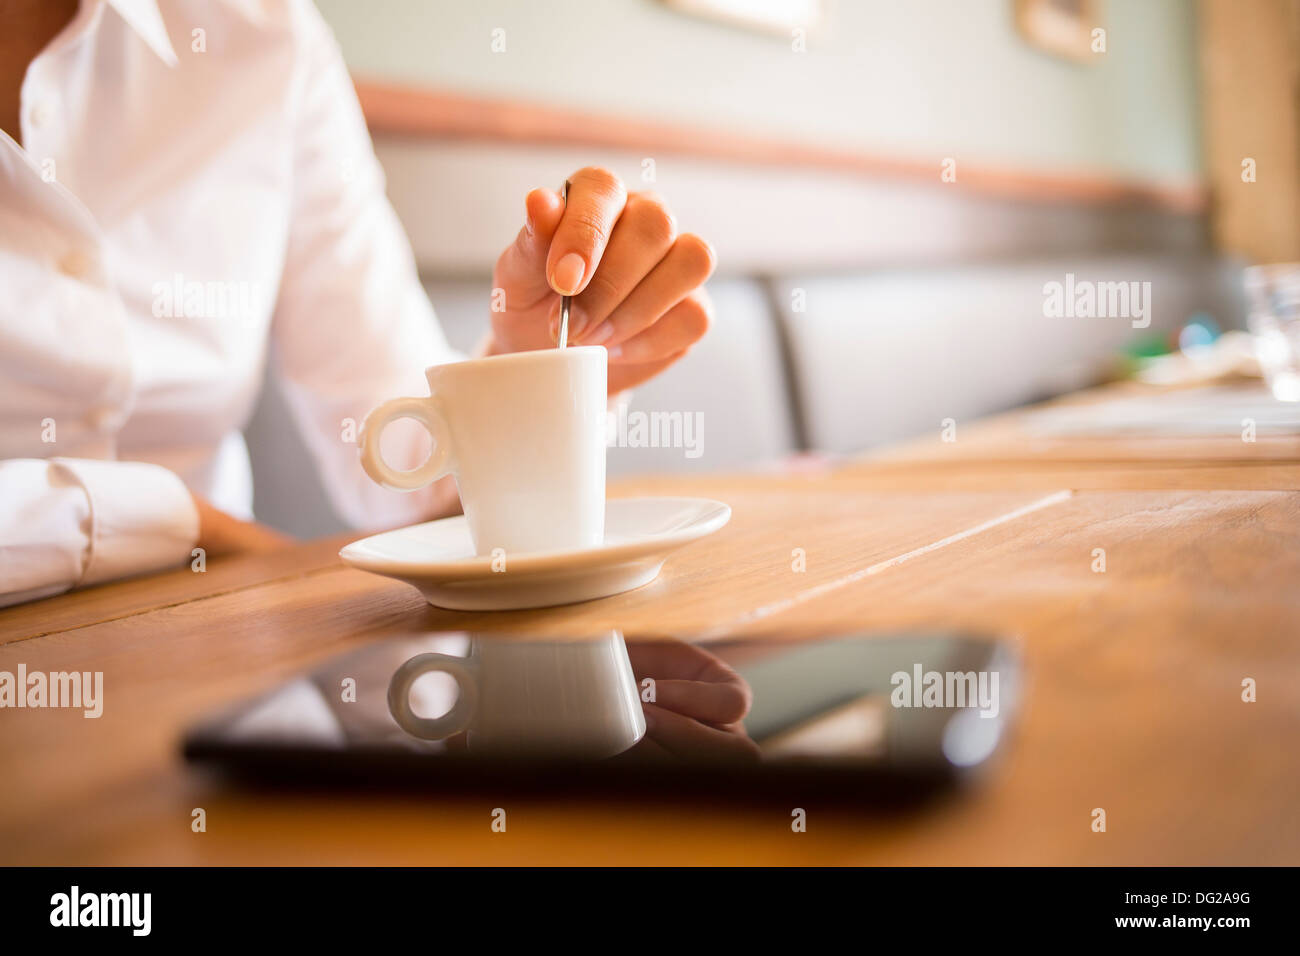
(221, 533)
(637, 285)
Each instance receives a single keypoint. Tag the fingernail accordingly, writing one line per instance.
(613, 352)
(602, 333)
(568, 273)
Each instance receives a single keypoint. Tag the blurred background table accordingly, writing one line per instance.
(1133, 699)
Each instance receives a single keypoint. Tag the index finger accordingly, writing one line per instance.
(690, 680)
(596, 200)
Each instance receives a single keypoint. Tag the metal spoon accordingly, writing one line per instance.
(565, 300)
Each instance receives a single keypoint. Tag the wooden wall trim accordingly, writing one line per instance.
(396, 110)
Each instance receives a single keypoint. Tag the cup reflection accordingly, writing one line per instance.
(576, 697)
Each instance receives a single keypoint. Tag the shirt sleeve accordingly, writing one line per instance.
(353, 326)
(69, 522)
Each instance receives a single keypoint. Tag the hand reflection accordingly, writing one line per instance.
(699, 703)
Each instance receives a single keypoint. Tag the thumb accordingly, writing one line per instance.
(521, 269)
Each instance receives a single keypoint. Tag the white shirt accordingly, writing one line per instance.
(196, 194)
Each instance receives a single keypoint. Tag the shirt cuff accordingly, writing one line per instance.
(142, 517)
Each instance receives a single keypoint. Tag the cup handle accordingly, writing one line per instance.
(421, 410)
(432, 728)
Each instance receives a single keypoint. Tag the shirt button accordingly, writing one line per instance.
(41, 113)
(75, 264)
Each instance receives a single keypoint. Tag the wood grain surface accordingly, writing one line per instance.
(1132, 700)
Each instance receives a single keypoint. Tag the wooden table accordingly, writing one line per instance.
(1133, 699)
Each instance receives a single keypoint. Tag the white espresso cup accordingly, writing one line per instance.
(524, 435)
(572, 696)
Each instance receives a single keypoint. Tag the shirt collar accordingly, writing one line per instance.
(143, 17)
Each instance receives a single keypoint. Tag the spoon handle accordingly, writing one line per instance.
(565, 300)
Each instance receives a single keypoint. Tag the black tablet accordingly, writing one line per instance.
(863, 718)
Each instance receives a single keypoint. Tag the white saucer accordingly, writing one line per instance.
(438, 557)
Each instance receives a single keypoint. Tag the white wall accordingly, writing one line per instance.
(921, 78)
